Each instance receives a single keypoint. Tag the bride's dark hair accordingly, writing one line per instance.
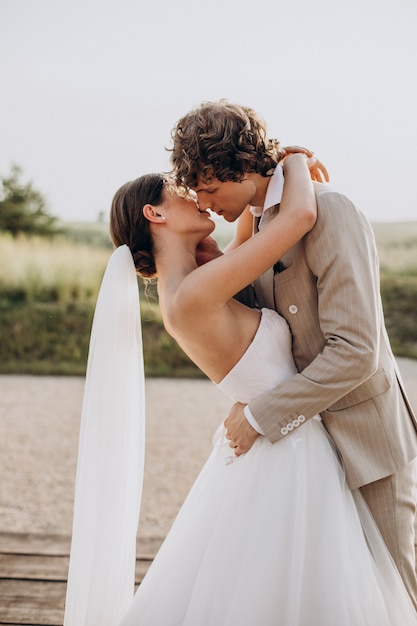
(129, 226)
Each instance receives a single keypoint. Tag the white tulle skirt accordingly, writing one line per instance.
(272, 538)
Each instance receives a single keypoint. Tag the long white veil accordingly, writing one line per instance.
(111, 454)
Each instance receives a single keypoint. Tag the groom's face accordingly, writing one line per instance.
(227, 199)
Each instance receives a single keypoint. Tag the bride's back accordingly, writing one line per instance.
(215, 336)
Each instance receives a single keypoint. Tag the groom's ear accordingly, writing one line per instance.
(151, 214)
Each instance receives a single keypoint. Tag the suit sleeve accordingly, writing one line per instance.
(341, 253)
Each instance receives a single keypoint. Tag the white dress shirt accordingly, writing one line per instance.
(272, 198)
(273, 192)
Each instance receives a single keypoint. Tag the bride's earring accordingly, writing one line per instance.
(150, 214)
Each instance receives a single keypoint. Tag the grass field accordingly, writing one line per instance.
(48, 289)
(397, 246)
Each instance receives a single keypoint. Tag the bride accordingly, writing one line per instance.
(273, 537)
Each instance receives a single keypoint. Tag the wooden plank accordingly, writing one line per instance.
(34, 567)
(32, 602)
(142, 567)
(33, 574)
(48, 618)
(36, 593)
(33, 543)
(39, 602)
(18, 617)
(48, 568)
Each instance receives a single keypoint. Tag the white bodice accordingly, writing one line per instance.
(267, 361)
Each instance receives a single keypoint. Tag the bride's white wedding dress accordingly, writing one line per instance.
(274, 537)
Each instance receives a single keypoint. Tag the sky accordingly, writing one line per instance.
(91, 89)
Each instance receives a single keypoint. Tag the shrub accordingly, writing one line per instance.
(48, 290)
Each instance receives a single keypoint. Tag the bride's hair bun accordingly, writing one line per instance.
(144, 264)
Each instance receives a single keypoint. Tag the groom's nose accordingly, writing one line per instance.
(203, 200)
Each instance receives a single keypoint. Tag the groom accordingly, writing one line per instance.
(327, 288)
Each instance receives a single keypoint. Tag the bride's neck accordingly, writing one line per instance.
(173, 263)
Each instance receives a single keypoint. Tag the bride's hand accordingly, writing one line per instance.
(318, 171)
(238, 430)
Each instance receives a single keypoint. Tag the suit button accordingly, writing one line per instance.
(284, 430)
(296, 423)
(290, 426)
(301, 419)
(293, 309)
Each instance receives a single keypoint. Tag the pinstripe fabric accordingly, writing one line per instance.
(397, 493)
(329, 295)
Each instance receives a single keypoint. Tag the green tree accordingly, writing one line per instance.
(23, 208)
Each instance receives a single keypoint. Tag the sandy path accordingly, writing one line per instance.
(39, 421)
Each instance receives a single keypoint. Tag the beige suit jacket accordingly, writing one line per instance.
(329, 295)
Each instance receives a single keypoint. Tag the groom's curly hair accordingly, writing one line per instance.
(223, 140)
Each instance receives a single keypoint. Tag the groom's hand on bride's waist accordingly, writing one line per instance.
(238, 430)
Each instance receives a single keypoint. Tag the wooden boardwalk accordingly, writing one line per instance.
(33, 577)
